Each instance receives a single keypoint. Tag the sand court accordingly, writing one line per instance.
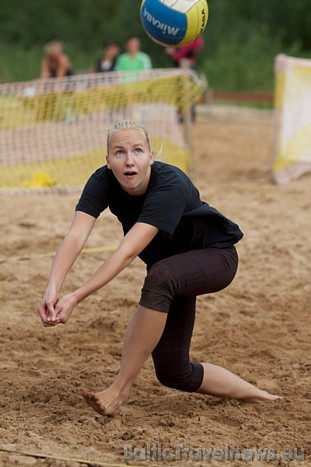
(259, 327)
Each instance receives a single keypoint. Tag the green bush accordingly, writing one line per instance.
(243, 60)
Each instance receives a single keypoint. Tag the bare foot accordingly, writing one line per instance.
(107, 402)
(261, 396)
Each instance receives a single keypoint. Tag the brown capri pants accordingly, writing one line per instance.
(171, 286)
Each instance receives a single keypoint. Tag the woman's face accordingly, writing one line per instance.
(55, 51)
(130, 159)
(133, 46)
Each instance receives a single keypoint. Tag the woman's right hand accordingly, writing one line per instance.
(46, 308)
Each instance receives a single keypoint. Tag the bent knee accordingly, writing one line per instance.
(175, 383)
(187, 380)
(158, 275)
(158, 289)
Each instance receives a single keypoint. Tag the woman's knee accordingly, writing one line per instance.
(159, 275)
(182, 375)
(158, 289)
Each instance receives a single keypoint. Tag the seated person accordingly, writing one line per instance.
(55, 64)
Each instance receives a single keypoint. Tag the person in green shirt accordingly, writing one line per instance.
(133, 59)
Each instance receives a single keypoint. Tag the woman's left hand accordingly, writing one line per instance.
(64, 308)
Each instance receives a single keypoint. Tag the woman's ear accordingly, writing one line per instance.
(107, 160)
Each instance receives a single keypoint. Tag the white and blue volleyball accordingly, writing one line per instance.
(174, 23)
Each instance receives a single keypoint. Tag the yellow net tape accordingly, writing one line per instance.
(26, 257)
(53, 132)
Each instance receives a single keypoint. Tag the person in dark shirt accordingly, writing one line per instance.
(107, 61)
(188, 248)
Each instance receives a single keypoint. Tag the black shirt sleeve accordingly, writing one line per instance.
(94, 197)
(163, 209)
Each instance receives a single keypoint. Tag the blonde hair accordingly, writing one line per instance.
(52, 45)
(127, 125)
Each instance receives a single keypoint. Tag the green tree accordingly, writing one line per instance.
(241, 38)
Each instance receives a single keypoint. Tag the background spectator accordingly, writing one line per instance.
(133, 58)
(189, 52)
(55, 63)
(107, 61)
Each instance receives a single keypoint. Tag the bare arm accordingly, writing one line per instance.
(70, 248)
(65, 257)
(64, 66)
(44, 69)
(132, 244)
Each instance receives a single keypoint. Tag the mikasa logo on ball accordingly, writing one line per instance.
(165, 28)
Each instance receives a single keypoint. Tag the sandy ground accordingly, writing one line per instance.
(259, 327)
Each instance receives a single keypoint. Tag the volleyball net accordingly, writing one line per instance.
(53, 132)
(292, 145)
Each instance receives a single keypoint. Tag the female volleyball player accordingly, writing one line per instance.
(188, 248)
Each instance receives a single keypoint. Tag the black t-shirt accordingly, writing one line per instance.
(102, 67)
(172, 203)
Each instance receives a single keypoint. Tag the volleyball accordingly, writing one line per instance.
(174, 23)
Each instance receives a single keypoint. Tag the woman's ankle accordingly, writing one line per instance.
(121, 387)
